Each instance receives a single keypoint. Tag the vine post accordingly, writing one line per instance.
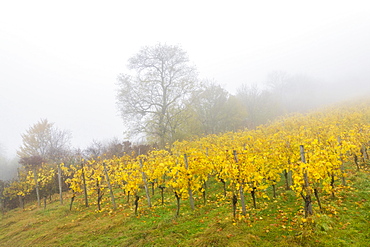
(341, 167)
(241, 189)
(109, 186)
(178, 198)
(145, 183)
(191, 198)
(20, 197)
(306, 186)
(37, 186)
(136, 203)
(60, 184)
(84, 184)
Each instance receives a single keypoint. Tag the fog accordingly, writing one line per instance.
(60, 61)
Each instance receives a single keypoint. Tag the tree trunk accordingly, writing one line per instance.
(224, 186)
(136, 203)
(162, 188)
(178, 198)
(332, 185)
(307, 205)
(274, 190)
(253, 193)
(234, 201)
(316, 192)
(72, 199)
(286, 175)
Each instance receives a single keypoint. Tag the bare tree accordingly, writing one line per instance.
(114, 148)
(295, 92)
(150, 100)
(260, 105)
(277, 81)
(95, 149)
(59, 144)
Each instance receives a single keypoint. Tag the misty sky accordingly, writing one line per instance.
(60, 59)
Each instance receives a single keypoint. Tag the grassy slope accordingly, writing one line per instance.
(345, 221)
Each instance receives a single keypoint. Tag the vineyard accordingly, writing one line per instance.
(294, 174)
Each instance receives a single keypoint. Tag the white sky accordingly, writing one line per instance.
(60, 59)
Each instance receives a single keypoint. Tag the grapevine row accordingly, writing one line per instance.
(309, 151)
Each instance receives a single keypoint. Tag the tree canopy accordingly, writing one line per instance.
(217, 110)
(45, 141)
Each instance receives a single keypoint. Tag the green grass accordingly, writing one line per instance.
(345, 221)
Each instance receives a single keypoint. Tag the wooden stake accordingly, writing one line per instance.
(307, 196)
(84, 184)
(109, 186)
(145, 183)
(241, 189)
(190, 192)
